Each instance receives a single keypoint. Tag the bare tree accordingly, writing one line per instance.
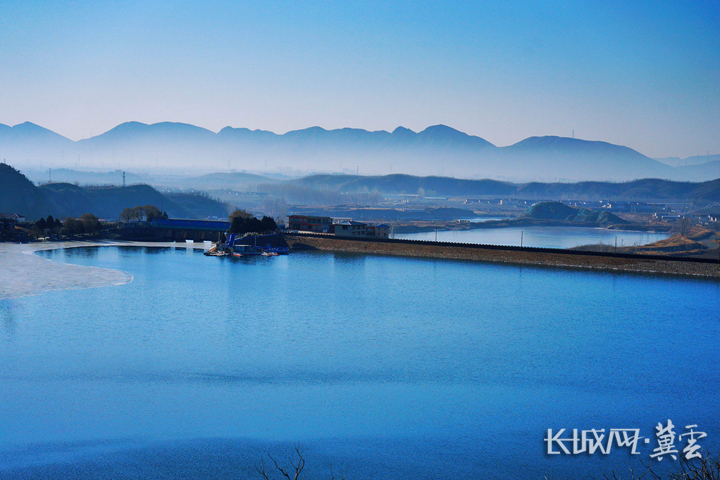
(138, 213)
(90, 222)
(275, 207)
(684, 226)
(294, 473)
(291, 472)
(152, 212)
(703, 468)
(240, 214)
(72, 226)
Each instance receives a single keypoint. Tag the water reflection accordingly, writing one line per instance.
(343, 347)
(81, 252)
(7, 313)
(127, 251)
(349, 258)
(547, 237)
(156, 250)
(49, 254)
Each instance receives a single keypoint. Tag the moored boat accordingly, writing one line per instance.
(231, 247)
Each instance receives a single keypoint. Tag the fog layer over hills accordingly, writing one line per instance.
(437, 150)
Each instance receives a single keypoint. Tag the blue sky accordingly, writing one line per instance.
(641, 74)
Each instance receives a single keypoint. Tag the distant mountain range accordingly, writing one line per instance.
(689, 161)
(20, 195)
(645, 190)
(437, 150)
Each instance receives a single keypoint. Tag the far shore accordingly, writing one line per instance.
(23, 273)
(431, 226)
(510, 255)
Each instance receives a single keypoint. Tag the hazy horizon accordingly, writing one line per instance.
(279, 133)
(347, 127)
(645, 75)
(436, 150)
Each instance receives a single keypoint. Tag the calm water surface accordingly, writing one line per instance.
(389, 367)
(548, 237)
(483, 219)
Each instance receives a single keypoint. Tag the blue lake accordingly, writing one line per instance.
(547, 237)
(387, 367)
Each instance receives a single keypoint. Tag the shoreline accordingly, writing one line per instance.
(560, 259)
(450, 226)
(24, 274)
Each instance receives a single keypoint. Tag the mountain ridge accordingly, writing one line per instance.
(645, 190)
(436, 150)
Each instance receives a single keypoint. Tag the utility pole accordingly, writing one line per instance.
(123, 179)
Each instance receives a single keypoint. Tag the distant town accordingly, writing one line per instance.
(358, 207)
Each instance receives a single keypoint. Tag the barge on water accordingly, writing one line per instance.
(235, 248)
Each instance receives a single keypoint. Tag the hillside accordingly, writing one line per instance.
(684, 162)
(198, 205)
(387, 214)
(575, 159)
(20, 195)
(407, 184)
(237, 181)
(107, 202)
(67, 175)
(699, 172)
(439, 150)
(638, 190)
(649, 189)
(560, 212)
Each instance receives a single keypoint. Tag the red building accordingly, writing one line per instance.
(309, 223)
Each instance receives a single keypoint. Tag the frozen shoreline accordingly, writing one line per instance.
(22, 273)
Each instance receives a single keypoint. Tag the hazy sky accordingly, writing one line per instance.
(636, 73)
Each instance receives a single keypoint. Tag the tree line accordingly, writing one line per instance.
(240, 221)
(243, 222)
(87, 223)
(140, 213)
